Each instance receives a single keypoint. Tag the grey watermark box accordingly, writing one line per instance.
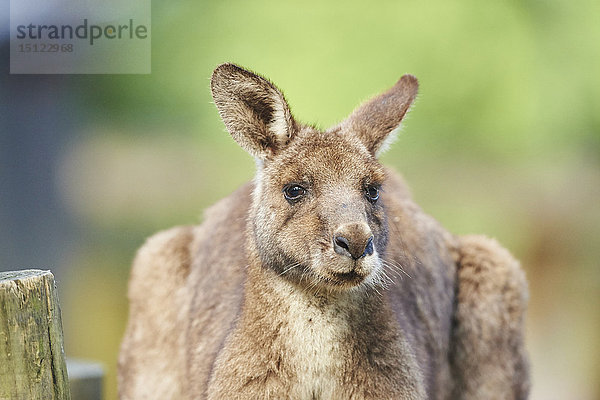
(80, 37)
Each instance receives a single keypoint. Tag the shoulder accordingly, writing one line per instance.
(164, 257)
(489, 356)
(492, 294)
(486, 267)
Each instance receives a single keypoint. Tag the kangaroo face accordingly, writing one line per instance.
(317, 216)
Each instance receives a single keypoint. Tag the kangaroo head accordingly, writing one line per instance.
(317, 217)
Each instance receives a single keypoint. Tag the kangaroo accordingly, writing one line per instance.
(321, 278)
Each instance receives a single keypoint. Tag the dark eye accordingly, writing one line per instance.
(293, 192)
(372, 193)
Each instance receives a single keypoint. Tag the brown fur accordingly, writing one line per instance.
(306, 285)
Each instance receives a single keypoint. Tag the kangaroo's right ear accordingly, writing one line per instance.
(253, 110)
(376, 121)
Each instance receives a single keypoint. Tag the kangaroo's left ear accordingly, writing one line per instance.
(375, 120)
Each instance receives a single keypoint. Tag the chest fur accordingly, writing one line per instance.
(301, 346)
(318, 347)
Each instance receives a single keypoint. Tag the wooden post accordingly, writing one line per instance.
(32, 359)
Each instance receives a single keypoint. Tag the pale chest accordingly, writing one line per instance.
(316, 342)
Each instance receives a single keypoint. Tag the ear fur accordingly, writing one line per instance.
(254, 111)
(376, 119)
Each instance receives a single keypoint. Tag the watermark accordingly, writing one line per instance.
(80, 37)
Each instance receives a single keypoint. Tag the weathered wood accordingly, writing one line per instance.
(32, 359)
(85, 379)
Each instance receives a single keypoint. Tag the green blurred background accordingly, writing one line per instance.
(504, 140)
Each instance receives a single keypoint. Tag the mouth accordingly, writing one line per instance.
(343, 273)
(349, 277)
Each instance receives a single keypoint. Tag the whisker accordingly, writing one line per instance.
(396, 267)
(384, 279)
(289, 268)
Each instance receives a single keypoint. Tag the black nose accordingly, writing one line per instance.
(353, 249)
